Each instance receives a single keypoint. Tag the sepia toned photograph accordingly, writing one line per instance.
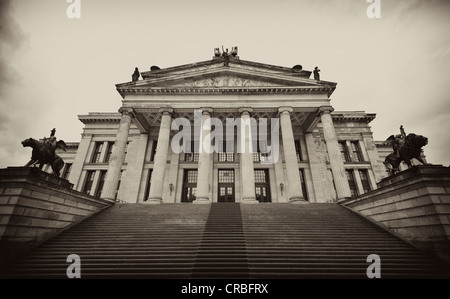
(224, 147)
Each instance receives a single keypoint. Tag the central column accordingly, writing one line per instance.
(247, 172)
(204, 160)
(336, 163)
(159, 168)
(118, 155)
(290, 156)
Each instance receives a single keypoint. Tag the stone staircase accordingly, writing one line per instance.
(225, 240)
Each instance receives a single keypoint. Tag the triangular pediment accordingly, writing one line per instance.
(246, 77)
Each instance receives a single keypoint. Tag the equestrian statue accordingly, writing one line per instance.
(44, 152)
(406, 148)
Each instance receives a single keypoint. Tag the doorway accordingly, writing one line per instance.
(226, 185)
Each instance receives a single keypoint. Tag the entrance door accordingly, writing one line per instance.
(189, 186)
(226, 185)
(262, 185)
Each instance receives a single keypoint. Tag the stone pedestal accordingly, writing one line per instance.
(35, 206)
(414, 204)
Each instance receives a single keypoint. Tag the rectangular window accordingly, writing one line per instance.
(109, 150)
(97, 152)
(356, 150)
(344, 151)
(298, 150)
(224, 156)
(67, 170)
(226, 176)
(364, 175)
(262, 185)
(88, 181)
(101, 183)
(303, 182)
(147, 187)
(352, 182)
(260, 176)
(118, 184)
(189, 185)
(154, 146)
(193, 155)
(261, 153)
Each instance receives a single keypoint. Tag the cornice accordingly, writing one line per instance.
(357, 117)
(225, 90)
(100, 117)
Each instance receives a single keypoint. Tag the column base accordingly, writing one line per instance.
(202, 201)
(153, 201)
(249, 200)
(298, 200)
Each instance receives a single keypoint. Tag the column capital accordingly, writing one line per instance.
(324, 110)
(166, 111)
(206, 110)
(126, 111)
(245, 110)
(285, 109)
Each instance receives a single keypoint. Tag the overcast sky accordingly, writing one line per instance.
(53, 68)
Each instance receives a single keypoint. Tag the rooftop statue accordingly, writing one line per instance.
(316, 74)
(225, 54)
(135, 76)
(406, 148)
(44, 152)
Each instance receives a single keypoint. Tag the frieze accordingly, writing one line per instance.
(226, 81)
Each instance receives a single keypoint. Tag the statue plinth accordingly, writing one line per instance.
(33, 173)
(414, 205)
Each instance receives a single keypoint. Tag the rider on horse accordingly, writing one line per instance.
(399, 142)
(50, 143)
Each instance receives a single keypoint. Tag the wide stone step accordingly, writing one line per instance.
(225, 241)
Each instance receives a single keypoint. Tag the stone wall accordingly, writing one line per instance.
(414, 204)
(35, 206)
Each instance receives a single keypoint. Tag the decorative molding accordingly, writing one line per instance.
(126, 111)
(224, 90)
(282, 110)
(226, 81)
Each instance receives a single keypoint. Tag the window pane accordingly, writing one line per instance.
(352, 183)
(356, 149)
(97, 152)
(67, 170)
(101, 182)
(109, 152)
(226, 176)
(155, 145)
(88, 182)
(344, 151)
(363, 174)
(298, 150)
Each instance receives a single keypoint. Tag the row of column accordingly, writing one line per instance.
(204, 163)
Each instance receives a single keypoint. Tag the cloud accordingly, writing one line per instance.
(12, 40)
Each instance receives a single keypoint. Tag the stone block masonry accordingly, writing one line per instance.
(35, 206)
(414, 204)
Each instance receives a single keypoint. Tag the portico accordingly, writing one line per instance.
(256, 133)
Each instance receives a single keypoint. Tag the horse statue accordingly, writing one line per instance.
(44, 152)
(405, 148)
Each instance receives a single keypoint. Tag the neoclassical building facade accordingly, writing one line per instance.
(311, 154)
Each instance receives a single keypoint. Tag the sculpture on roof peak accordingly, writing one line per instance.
(225, 54)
